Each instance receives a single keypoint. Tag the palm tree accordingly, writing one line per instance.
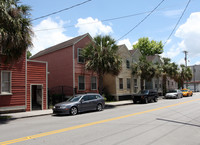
(169, 70)
(144, 69)
(101, 57)
(185, 75)
(15, 29)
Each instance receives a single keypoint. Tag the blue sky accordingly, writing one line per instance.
(157, 26)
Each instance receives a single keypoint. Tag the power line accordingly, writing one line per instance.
(61, 10)
(141, 20)
(104, 20)
(177, 22)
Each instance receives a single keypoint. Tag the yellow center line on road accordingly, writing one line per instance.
(88, 124)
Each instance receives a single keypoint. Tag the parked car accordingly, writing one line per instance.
(187, 92)
(145, 96)
(80, 103)
(174, 94)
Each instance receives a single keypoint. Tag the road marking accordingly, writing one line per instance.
(88, 124)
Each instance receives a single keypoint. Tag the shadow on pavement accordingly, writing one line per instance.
(4, 119)
(184, 123)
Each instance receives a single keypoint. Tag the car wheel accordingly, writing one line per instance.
(73, 111)
(156, 99)
(146, 100)
(99, 107)
(134, 101)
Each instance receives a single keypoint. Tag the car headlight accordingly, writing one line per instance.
(54, 107)
(63, 107)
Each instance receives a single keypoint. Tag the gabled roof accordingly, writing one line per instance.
(132, 51)
(60, 46)
(124, 46)
(151, 57)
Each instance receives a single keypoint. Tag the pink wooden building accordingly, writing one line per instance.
(66, 66)
(23, 85)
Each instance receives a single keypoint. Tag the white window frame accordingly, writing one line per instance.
(84, 83)
(6, 93)
(78, 50)
(95, 83)
(122, 84)
(127, 66)
(129, 83)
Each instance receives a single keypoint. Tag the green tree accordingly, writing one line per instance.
(184, 75)
(28, 54)
(168, 70)
(101, 57)
(15, 29)
(144, 69)
(148, 47)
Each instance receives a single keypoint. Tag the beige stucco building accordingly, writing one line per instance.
(125, 84)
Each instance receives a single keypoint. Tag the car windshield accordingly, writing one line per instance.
(184, 90)
(74, 99)
(172, 91)
(144, 91)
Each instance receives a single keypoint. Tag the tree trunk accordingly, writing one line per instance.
(164, 84)
(142, 84)
(100, 78)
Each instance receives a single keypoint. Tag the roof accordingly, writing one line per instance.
(151, 57)
(60, 46)
(132, 51)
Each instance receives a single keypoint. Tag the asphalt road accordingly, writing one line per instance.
(167, 122)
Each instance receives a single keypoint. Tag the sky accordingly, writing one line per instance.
(96, 17)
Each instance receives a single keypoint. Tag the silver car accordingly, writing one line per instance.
(174, 94)
(80, 103)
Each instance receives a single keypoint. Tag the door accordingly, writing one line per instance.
(36, 97)
(85, 103)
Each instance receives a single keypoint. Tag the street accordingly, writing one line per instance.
(167, 122)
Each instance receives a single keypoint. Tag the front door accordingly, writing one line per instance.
(36, 97)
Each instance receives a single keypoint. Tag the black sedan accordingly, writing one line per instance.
(80, 103)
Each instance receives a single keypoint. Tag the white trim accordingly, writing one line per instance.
(127, 83)
(73, 70)
(11, 108)
(8, 93)
(42, 107)
(26, 70)
(36, 61)
(47, 85)
(122, 84)
(91, 82)
(78, 49)
(87, 34)
(84, 83)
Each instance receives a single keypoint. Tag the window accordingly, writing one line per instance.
(120, 83)
(80, 57)
(93, 83)
(127, 64)
(128, 83)
(5, 82)
(81, 83)
(135, 85)
(135, 82)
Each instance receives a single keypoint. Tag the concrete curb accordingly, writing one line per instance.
(30, 114)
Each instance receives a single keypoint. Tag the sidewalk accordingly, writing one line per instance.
(49, 111)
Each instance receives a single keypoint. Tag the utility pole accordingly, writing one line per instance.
(185, 52)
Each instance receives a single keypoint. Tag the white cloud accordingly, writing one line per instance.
(197, 63)
(45, 39)
(189, 32)
(172, 52)
(181, 61)
(126, 42)
(92, 26)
